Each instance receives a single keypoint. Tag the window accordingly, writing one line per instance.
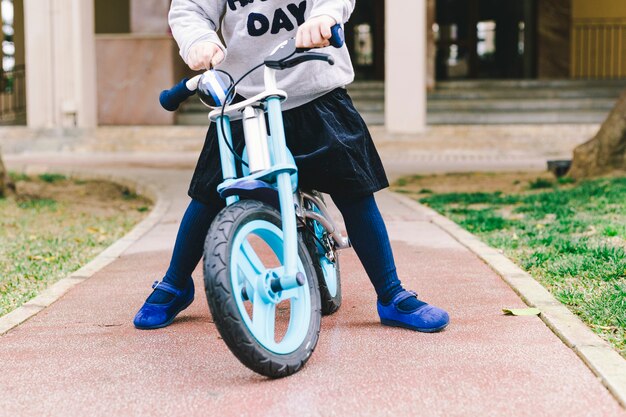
(8, 45)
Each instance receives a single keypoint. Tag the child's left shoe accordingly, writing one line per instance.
(422, 318)
(155, 316)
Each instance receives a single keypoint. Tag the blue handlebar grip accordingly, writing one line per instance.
(171, 99)
(337, 38)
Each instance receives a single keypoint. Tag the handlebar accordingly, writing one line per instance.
(172, 99)
(337, 38)
(282, 58)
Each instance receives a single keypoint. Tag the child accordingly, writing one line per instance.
(329, 140)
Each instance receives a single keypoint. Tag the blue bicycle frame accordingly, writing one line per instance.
(278, 174)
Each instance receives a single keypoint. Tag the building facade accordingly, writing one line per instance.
(103, 62)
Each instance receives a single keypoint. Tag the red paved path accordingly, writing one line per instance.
(82, 356)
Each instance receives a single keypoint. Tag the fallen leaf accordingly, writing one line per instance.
(597, 326)
(521, 311)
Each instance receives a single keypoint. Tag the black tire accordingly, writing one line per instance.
(330, 303)
(222, 304)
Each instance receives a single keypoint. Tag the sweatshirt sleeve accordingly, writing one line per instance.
(194, 21)
(340, 10)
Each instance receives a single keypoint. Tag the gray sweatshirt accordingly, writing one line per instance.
(252, 29)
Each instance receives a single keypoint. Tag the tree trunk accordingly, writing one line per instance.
(4, 180)
(606, 152)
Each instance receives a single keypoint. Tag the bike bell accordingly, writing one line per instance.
(213, 87)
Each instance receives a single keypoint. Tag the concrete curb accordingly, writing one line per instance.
(110, 254)
(599, 356)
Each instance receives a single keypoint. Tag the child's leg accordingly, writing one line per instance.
(368, 235)
(188, 248)
(369, 238)
(176, 291)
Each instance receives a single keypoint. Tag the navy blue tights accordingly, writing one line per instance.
(364, 224)
(368, 235)
(187, 249)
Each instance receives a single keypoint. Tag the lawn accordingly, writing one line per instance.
(569, 236)
(54, 225)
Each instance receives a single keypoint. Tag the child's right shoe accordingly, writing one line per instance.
(424, 318)
(155, 316)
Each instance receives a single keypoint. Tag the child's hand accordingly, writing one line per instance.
(204, 56)
(315, 32)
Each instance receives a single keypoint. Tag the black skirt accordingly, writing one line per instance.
(329, 140)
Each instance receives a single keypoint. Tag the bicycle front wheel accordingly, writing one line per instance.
(272, 333)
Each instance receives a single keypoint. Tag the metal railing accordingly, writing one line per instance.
(598, 49)
(13, 96)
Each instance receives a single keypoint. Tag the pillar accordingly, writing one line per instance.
(18, 34)
(60, 63)
(405, 66)
(1, 41)
(554, 26)
(431, 46)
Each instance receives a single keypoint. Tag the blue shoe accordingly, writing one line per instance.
(155, 316)
(425, 318)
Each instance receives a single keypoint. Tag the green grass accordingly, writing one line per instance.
(540, 183)
(570, 236)
(45, 238)
(52, 178)
(18, 176)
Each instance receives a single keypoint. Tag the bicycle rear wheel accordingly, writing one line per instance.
(325, 260)
(273, 334)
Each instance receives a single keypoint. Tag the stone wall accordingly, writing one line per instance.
(129, 82)
(553, 40)
(134, 67)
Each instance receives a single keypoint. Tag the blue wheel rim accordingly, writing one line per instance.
(246, 268)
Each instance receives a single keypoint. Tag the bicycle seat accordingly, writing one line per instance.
(253, 190)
